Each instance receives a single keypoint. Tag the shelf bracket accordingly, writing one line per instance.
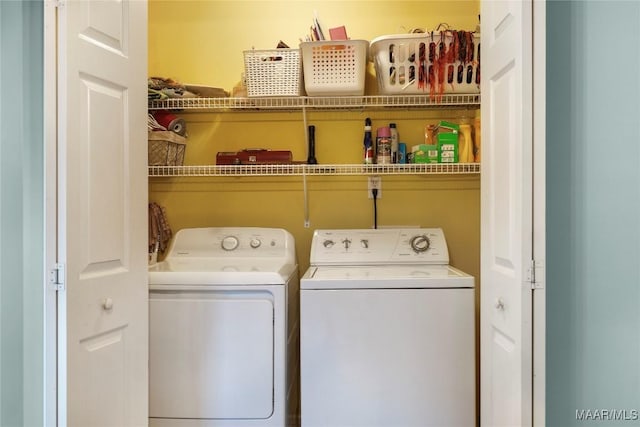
(307, 222)
(304, 121)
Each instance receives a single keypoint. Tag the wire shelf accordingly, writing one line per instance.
(318, 102)
(311, 170)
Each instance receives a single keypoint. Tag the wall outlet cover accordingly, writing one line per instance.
(374, 182)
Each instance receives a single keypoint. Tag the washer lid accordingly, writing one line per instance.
(386, 277)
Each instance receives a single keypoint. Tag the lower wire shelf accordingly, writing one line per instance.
(311, 170)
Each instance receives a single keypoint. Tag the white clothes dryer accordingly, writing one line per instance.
(387, 332)
(223, 344)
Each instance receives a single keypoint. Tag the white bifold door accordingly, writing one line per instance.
(507, 213)
(102, 213)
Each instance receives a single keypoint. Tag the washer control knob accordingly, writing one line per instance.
(346, 243)
(420, 243)
(230, 243)
(255, 243)
(328, 243)
(364, 243)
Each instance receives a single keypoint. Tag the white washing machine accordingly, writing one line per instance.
(387, 332)
(223, 344)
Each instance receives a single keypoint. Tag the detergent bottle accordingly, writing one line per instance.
(465, 144)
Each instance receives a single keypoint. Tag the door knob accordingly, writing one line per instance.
(107, 304)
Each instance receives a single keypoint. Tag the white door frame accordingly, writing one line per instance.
(539, 207)
(50, 141)
(50, 206)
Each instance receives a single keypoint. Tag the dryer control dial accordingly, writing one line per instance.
(255, 243)
(230, 243)
(420, 243)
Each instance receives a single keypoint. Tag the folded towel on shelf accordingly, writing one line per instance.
(159, 229)
(156, 94)
(163, 88)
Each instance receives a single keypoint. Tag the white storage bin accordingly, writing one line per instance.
(275, 72)
(334, 68)
(404, 64)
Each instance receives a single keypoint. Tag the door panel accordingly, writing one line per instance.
(106, 151)
(103, 359)
(387, 357)
(107, 25)
(506, 209)
(102, 156)
(211, 355)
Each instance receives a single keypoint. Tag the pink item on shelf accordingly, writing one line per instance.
(338, 33)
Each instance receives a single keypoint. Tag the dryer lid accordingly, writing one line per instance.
(211, 271)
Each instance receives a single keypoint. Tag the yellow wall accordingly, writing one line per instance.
(202, 42)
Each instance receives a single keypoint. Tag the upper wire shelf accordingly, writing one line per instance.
(311, 170)
(318, 102)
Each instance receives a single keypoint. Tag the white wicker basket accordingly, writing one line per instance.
(403, 65)
(275, 72)
(334, 68)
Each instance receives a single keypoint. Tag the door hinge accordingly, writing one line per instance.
(57, 277)
(535, 274)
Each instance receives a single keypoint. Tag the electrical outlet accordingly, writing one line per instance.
(374, 182)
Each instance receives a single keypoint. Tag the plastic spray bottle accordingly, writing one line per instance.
(368, 142)
(383, 146)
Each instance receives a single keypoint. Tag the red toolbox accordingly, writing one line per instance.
(254, 157)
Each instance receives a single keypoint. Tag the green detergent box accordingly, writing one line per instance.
(424, 153)
(446, 137)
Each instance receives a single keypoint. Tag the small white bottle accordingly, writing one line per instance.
(394, 142)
